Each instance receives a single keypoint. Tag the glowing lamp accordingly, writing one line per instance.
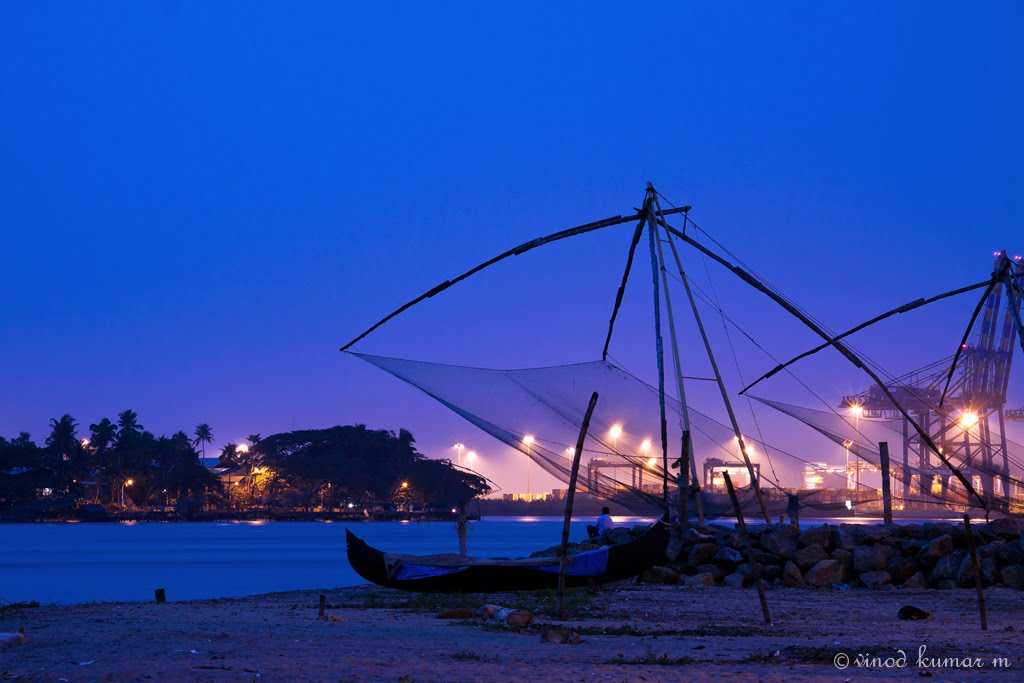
(646, 445)
(968, 420)
(615, 432)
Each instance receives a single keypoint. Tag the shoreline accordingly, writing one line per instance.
(629, 633)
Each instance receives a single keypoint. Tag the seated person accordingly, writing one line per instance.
(604, 523)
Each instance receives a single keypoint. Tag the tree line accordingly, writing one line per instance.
(115, 463)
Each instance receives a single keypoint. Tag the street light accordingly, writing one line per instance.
(615, 432)
(528, 440)
(459, 446)
(126, 484)
(472, 458)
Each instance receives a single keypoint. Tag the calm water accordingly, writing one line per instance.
(70, 563)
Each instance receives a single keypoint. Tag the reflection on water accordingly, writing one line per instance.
(69, 563)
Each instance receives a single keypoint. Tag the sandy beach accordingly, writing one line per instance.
(629, 633)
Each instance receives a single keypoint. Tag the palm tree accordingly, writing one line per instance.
(128, 421)
(228, 455)
(63, 442)
(63, 436)
(204, 435)
(102, 434)
(254, 438)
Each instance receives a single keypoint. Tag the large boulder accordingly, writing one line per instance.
(779, 544)
(702, 553)
(727, 559)
(735, 540)
(876, 580)
(767, 558)
(692, 536)
(847, 536)
(824, 574)
(875, 533)
(700, 580)
(936, 549)
(820, 536)
(787, 530)
(660, 575)
(735, 580)
(809, 556)
(917, 580)
(966, 576)
(844, 557)
(900, 568)
(1013, 576)
(791, 576)
(948, 566)
(1010, 552)
(772, 573)
(867, 558)
(1006, 529)
(618, 536)
(712, 569)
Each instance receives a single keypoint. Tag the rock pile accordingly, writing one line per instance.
(879, 557)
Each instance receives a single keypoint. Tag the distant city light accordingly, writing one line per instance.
(405, 484)
(85, 443)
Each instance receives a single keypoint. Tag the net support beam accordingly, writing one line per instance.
(839, 346)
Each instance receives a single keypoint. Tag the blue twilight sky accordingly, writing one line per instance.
(199, 202)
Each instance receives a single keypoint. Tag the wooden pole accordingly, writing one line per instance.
(755, 484)
(684, 413)
(977, 573)
(637, 234)
(883, 456)
(569, 497)
(688, 463)
(323, 605)
(652, 228)
(755, 566)
(461, 526)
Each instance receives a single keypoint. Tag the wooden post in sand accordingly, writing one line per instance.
(569, 495)
(977, 573)
(323, 605)
(461, 526)
(755, 566)
(161, 596)
(883, 456)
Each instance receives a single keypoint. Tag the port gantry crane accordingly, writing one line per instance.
(966, 419)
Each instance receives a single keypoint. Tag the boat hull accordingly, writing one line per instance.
(624, 561)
